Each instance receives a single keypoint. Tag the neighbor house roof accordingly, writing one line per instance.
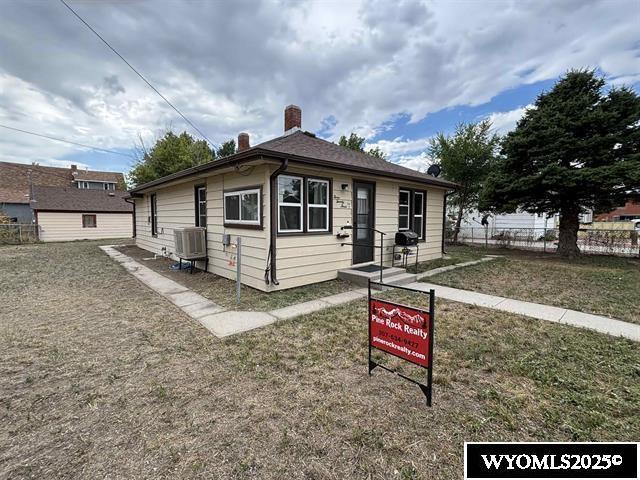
(304, 147)
(14, 179)
(71, 199)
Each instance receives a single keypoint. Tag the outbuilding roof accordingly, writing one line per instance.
(71, 199)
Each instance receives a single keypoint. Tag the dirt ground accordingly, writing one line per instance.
(100, 377)
(222, 291)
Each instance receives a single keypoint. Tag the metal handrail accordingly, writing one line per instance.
(382, 234)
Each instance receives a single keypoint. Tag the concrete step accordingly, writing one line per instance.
(393, 276)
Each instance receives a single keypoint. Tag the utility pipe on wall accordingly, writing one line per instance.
(270, 274)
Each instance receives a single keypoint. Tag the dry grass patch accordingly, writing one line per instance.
(101, 377)
(455, 255)
(602, 285)
(222, 291)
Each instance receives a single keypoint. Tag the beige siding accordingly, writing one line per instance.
(176, 209)
(301, 259)
(304, 259)
(64, 226)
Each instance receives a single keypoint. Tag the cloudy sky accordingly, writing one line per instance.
(394, 71)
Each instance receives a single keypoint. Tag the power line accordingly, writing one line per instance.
(137, 72)
(65, 141)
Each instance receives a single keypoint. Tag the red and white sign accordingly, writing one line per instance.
(399, 330)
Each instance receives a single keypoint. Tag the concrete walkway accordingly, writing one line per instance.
(436, 271)
(598, 323)
(216, 319)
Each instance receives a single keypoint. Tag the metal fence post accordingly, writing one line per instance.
(238, 268)
(544, 240)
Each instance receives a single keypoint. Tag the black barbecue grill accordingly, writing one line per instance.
(406, 238)
(406, 245)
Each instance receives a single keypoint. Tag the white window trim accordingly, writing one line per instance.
(289, 204)
(404, 215)
(318, 205)
(421, 216)
(200, 204)
(239, 194)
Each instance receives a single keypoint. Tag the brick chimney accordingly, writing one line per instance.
(292, 117)
(74, 168)
(243, 142)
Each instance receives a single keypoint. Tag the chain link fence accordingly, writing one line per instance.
(17, 233)
(590, 241)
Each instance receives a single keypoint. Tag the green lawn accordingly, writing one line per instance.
(602, 285)
(101, 377)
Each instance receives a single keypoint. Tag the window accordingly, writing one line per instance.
(242, 207)
(109, 186)
(304, 204)
(154, 215)
(403, 213)
(89, 221)
(317, 205)
(289, 204)
(201, 206)
(411, 211)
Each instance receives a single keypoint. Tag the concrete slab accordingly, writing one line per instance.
(535, 310)
(299, 309)
(611, 326)
(463, 296)
(230, 322)
(436, 271)
(182, 299)
(345, 297)
(202, 309)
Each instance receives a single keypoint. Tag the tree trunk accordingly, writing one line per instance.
(568, 234)
(458, 222)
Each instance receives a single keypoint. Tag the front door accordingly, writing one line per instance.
(363, 221)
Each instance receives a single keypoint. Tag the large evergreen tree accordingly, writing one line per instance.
(466, 157)
(170, 154)
(578, 148)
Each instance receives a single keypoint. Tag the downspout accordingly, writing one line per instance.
(133, 202)
(444, 217)
(270, 273)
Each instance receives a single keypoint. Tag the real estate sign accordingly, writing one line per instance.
(400, 330)
(403, 331)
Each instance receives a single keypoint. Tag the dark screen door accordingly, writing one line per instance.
(363, 222)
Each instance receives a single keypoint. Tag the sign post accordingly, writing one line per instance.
(404, 332)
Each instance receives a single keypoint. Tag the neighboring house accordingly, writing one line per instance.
(630, 211)
(17, 180)
(288, 198)
(80, 214)
(522, 220)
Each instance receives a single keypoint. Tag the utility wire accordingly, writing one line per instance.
(65, 141)
(137, 72)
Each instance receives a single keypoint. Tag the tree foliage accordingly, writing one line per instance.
(226, 149)
(170, 154)
(579, 147)
(355, 142)
(466, 158)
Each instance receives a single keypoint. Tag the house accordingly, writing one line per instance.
(290, 199)
(17, 179)
(38, 194)
(630, 211)
(517, 220)
(81, 214)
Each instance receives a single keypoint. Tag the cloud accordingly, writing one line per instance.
(504, 122)
(351, 66)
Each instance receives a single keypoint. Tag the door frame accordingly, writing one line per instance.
(354, 202)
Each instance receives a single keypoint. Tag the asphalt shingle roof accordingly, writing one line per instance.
(14, 179)
(74, 199)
